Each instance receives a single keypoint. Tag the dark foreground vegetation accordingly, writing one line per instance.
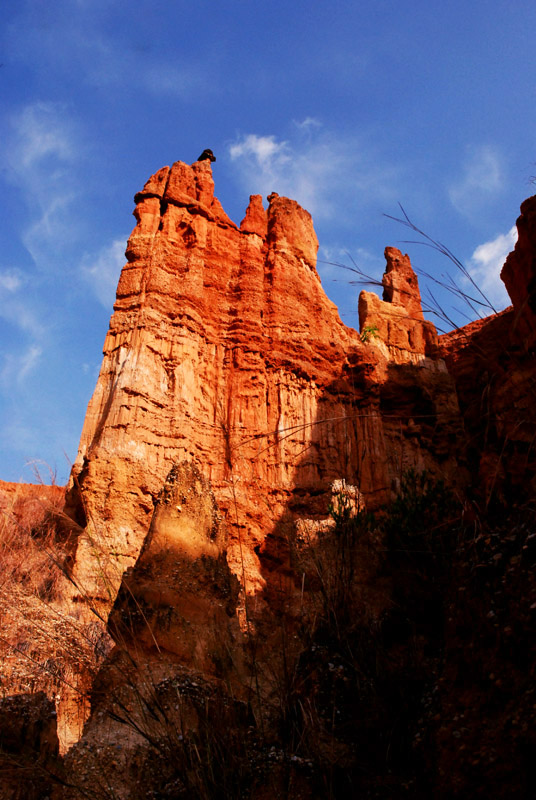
(403, 668)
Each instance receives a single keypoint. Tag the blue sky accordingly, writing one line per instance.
(348, 107)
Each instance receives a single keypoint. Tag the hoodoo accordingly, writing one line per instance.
(223, 349)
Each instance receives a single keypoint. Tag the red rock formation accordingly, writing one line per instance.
(492, 362)
(223, 349)
(397, 322)
(181, 596)
(519, 276)
(178, 642)
(224, 352)
(417, 398)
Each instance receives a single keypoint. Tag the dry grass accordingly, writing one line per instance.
(28, 548)
(44, 645)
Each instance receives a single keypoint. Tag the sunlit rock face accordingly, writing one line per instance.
(224, 350)
(396, 323)
(181, 597)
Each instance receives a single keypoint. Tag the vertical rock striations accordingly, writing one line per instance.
(224, 350)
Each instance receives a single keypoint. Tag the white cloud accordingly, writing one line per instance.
(22, 331)
(161, 78)
(307, 124)
(23, 317)
(481, 180)
(326, 174)
(29, 360)
(41, 133)
(102, 270)
(10, 281)
(19, 353)
(265, 151)
(15, 306)
(486, 264)
(17, 366)
(53, 229)
(41, 148)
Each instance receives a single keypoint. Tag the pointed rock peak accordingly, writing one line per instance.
(187, 183)
(219, 215)
(203, 169)
(155, 186)
(397, 322)
(256, 219)
(396, 260)
(290, 227)
(400, 284)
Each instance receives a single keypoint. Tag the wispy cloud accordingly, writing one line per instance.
(11, 281)
(17, 365)
(23, 317)
(170, 78)
(262, 151)
(23, 332)
(28, 361)
(481, 179)
(486, 264)
(15, 306)
(313, 166)
(102, 270)
(39, 156)
(38, 159)
(308, 124)
(41, 134)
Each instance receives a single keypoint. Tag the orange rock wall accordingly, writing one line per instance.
(224, 349)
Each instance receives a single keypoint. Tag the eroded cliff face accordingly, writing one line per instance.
(492, 362)
(223, 349)
(178, 651)
(181, 596)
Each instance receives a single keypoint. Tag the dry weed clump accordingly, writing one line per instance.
(28, 552)
(44, 646)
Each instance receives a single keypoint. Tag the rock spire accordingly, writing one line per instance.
(224, 350)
